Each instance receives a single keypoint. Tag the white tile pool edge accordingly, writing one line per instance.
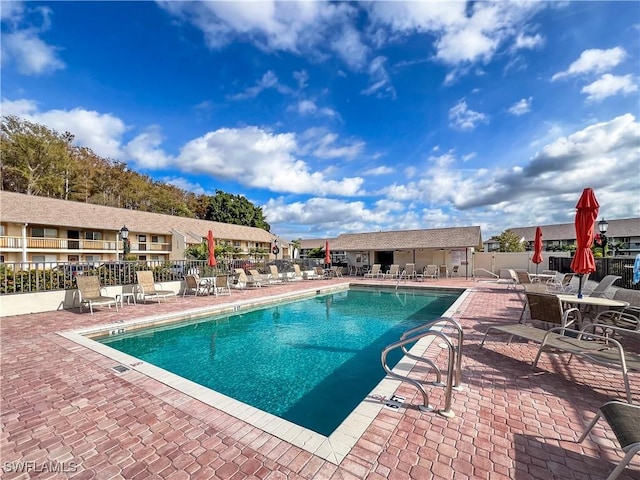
(332, 448)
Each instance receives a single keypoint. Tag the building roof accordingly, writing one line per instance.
(310, 243)
(35, 210)
(454, 237)
(625, 227)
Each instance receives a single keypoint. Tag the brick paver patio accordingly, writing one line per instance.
(67, 414)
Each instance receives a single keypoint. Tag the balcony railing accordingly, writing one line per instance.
(54, 244)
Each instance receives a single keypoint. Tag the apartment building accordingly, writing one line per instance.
(41, 229)
(623, 236)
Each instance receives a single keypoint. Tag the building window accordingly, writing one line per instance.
(92, 258)
(142, 242)
(93, 235)
(44, 258)
(157, 239)
(236, 244)
(44, 232)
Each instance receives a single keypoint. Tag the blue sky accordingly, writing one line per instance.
(347, 117)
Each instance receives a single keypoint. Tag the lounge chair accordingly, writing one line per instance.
(221, 285)
(543, 308)
(573, 283)
(627, 317)
(375, 272)
(265, 280)
(322, 273)
(409, 271)
(90, 293)
(147, 287)
(443, 271)
(524, 278)
(297, 274)
(310, 274)
(600, 349)
(336, 271)
(455, 270)
(624, 420)
(393, 272)
(275, 274)
(194, 285)
(245, 281)
(430, 271)
(602, 288)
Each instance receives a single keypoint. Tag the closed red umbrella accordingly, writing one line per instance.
(537, 248)
(211, 245)
(327, 253)
(586, 215)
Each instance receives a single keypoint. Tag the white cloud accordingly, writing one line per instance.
(609, 85)
(268, 80)
(260, 159)
(297, 27)
(528, 41)
(302, 77)
(543, 190)
(21, 44)
(349, 46)
(145, 152)
(308, 107)
(323, 144)
(380, 81)
(594, 61)
(12, 12)
(462, 117)
(383, 170)
(463, 34)
(521, 107)
(186, 185)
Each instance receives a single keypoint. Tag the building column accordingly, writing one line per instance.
(24, 242)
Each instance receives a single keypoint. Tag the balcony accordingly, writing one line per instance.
(38, 244)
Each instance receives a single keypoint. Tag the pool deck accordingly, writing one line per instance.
(66, 413)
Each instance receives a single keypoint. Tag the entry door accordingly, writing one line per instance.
(74, 237)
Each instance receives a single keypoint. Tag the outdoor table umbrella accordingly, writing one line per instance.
(211, 245)
(586, 215)
(327, 253)
(537, 249)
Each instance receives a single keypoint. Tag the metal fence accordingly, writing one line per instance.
(622, 266)
(29, 277)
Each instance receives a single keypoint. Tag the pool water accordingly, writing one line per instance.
(309, 361)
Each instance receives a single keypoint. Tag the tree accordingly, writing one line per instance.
(39, 161)
(235, 209)
(510, 242)
(295, 246)
(35, 159)
(316, 252)
(197, 252)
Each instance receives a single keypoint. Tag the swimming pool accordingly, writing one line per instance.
(310, 361)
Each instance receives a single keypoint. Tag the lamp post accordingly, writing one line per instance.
(124, 234)
(603, 225)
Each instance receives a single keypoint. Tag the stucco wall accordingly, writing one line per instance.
(25, 303)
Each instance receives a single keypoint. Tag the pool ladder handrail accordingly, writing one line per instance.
(484, 270)
(454, 363)
(400, 277)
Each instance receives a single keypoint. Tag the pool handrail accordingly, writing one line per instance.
(453, 364)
